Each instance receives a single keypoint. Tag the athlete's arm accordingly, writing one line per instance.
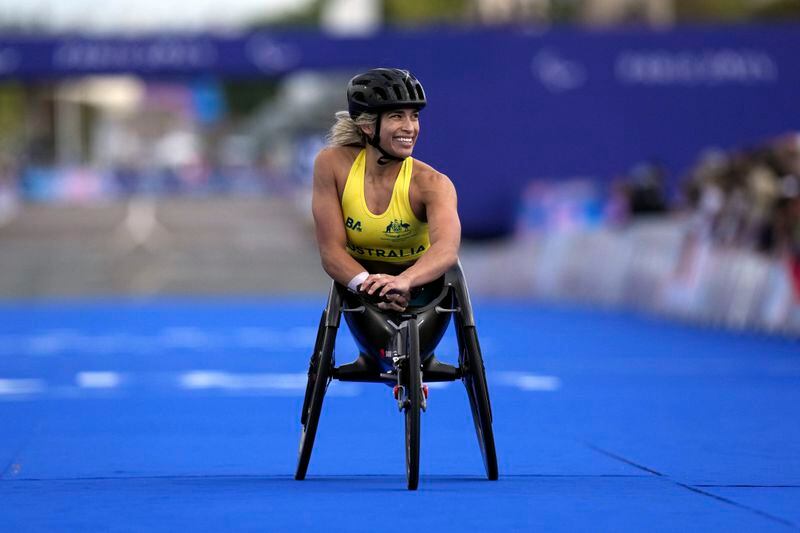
(328, 221)
(439, 198)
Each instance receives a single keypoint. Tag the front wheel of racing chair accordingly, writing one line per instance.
(412, 403)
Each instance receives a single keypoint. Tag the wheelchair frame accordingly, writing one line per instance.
(407, 374)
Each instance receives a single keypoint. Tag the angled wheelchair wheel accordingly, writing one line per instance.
(413, 403)
(474, 377)
(312, 370)
(319, 374)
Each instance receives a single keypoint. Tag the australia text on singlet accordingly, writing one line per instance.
(394, 236)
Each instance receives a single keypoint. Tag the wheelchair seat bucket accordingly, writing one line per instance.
(372, 331)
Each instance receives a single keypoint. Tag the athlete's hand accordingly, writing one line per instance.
(394, 302)
(394, 290)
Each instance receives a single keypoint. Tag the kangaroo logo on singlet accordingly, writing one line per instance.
(354, 225)
(397, 229)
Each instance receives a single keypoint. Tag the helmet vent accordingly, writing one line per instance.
(410, 90)
(380, 92)
(397, 92)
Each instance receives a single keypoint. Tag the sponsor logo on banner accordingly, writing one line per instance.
(557, 73)
(114, 55)
(725, 66)
(271, 56)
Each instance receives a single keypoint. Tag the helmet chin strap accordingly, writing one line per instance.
(375, 141)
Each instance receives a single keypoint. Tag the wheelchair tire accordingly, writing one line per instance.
(319, 374)
(478, 391)
(413, 405)
(312, 370)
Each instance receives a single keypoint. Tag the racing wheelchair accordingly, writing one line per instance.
(397, 349)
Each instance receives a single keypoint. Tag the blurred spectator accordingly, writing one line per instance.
(646, 189)
(642, 192)
(750, 198)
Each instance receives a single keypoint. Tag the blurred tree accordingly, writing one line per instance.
(778, 10)
(412, 13)
(712, 10)
(308, 17)
(565, 10)
(12, 112)
(400, 12)
(405, 13)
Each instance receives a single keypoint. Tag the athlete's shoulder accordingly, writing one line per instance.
(428, 177)
(337, 155)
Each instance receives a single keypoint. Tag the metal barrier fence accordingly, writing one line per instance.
(653, 265)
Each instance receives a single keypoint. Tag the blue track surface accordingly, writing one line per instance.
(177, 415)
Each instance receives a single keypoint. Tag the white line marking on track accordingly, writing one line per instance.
(186, 337)
(268, 384)
(98, 380)
(13, 387)
(200, 379)
(55, 342)
(291, 384)
(527, 382)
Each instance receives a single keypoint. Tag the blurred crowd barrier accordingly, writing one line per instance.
(653, 265)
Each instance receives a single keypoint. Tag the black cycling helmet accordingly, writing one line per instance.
(382, 89)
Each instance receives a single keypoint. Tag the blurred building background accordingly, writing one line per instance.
(635, 153)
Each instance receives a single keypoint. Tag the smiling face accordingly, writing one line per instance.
(399, 131)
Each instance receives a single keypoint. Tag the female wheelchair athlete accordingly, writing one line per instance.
(397, 349)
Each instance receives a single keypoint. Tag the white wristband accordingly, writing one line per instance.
(357, 280)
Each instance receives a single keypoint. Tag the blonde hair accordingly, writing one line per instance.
(347, 132)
